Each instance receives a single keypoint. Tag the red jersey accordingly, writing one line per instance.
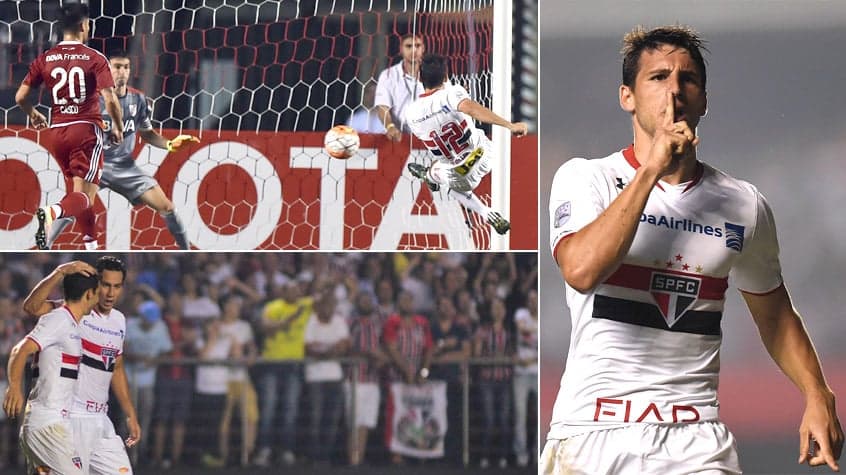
(413, 339)
(75, 74)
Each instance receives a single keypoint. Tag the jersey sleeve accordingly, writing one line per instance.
(49, 330)
(143, 116)
(455, 95)
(33, 76)
(103, 73)
(758, 269)
(574, 200)
(383, 90)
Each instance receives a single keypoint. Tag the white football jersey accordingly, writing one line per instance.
(645, 343)
(102, 343)
(55, 367)
(448, 134)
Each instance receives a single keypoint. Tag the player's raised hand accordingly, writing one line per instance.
(671, 139)
(820, 435)
(74, 267)
(519, 129)
(177, 142)
(13, 402)
(134, 431)
(37, 120)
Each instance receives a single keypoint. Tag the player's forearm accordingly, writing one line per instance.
(36, 303)
(113, 108)
(482, 113)
(384, 114)
(15, 366)
(120, 386)
(153, 138)
(589, 256)
(789, 345)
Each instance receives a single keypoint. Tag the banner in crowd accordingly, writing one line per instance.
(269, 190)
(419, 419)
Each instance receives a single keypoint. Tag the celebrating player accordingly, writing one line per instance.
(102, 332)
(120, 174)
(646, 240)
(443, 119)
(46, 437)
(76, 75)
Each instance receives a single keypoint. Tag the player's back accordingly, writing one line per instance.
(74, 74)
(55, 369)
(448, 133)
(102, 343)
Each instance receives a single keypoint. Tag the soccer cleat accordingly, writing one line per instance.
(45, 223)
(500, 224)
(419, 171)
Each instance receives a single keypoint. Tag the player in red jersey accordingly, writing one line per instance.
(76, 76)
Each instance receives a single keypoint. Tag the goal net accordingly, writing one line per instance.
(259, 82)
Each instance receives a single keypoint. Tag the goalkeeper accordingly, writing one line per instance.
(120, 174)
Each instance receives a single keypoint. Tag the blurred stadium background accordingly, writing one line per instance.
(191, 291)
(775, 118)
(260, 81)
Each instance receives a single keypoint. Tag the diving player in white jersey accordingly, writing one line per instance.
(646, 240)
(120, 174)
(442, 117)
(46, 434)
(102, 334)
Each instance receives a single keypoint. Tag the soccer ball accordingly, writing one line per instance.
(341, 142)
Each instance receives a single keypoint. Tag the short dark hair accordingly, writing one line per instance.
(73, 14)
(110, 263)
(433, 70)
(640, 39)
(75, 285)
(410, 35)
(117, 53)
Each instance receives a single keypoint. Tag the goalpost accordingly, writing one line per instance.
(260, 82)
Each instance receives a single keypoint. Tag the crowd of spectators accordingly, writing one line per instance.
(272, 327)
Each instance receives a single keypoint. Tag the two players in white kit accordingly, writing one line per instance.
(78, 355)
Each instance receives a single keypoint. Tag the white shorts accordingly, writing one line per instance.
(50, 449)
(660, 449)
(461, 178)
(366, 403)
(101, 449)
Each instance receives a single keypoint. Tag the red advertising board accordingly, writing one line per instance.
(271, 190)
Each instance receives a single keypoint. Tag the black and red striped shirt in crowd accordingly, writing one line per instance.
(494, 342)
(413, 337)
(366, 336)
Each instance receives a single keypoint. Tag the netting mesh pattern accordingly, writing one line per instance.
(256, 65)
(222, 68)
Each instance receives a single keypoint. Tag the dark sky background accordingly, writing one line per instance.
(776, 76)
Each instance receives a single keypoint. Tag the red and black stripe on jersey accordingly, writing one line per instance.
(664, 308)
(99, 357)
(69, 368)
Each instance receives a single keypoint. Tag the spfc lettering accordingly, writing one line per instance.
(674, 294)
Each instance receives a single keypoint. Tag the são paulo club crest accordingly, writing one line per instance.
(108, 355)
(673, 294)
(77, 462)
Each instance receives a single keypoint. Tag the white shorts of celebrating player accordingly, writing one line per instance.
(465, 176)
(665, 449)
(50, 449)
(101, 449)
